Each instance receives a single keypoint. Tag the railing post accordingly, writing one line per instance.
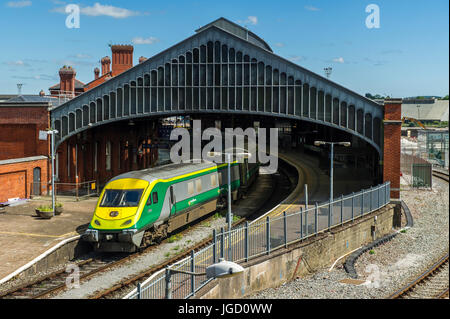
(362, 202)
(168, 284)
(316, 219)
(192, 271)
(306, 223)
(139, 290)
(330, 213)
(378, 197)
(353, 206)
(301, 223)
(285, 229)
(214, 246)
(268, 234)
(342, 210)
(370, 198)
(246, 241)
(222, 244)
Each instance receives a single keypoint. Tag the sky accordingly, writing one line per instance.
(405, 54)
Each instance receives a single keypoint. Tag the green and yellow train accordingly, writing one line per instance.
(141, 207)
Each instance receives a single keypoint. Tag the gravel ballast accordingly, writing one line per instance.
(388, 267)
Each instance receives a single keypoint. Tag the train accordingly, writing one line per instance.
(138, 208)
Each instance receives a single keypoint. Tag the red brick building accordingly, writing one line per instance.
(23, 149)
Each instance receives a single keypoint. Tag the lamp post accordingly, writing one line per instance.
(346, 144)
(222, 269)
(52, 133)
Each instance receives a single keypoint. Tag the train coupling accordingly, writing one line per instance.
(90, 235)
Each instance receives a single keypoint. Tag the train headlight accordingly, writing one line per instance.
(97, 222)
(126, 223)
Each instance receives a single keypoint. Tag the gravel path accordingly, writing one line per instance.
(389, 266)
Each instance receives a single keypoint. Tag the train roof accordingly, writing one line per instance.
(166, 171)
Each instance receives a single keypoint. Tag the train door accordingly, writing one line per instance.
(172, 200)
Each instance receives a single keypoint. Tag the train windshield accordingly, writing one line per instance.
(121, 198)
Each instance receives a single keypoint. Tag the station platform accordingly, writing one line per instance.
(24, 236)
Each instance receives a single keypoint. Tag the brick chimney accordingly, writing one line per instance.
(97, 73)
(106, 65)
(122, 58)
(67, 80)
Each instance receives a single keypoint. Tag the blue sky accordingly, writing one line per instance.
(407, 55)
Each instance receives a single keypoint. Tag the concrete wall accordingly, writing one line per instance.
(302, 258)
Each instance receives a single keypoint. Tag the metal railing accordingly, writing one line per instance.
(77, 190)
(261, 237)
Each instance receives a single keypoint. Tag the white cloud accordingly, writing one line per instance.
(80, 56)
(279, 44)
(140, 40)
(17, 63)
(250, 20)
(311, 8)
(18, 4)
(339, 60)
(296, 58)
(103, 10)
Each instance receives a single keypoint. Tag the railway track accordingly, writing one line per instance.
(55, 282)
(441, 175)
(431, 284)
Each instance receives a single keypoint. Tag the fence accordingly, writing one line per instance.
(415, 167)
(77, 190)
(259, 238)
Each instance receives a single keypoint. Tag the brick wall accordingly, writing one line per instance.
(392, 136)
(19, 131)
(16, 179)
(128, 139)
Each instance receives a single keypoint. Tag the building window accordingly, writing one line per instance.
(108, 155)
(120, 155)
(95, 156)
(68, 160)
(56, 167)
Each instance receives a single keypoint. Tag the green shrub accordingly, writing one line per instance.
(175, 238)
(45, 208)
(371, 252)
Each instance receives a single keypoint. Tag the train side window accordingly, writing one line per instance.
(220, 177)
(149, 200)
(191, 188)
(213, 180)
(198, 185)
(155, 197)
